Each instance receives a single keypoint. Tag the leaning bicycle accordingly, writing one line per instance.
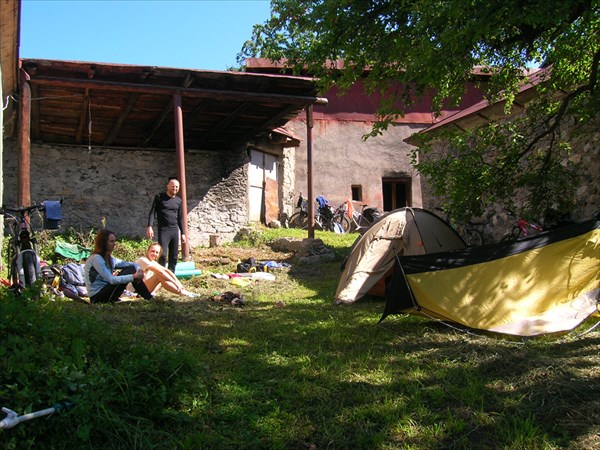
(22, 256)
(326, 217)
(468, 231)
(359, 221)
(522, 228)
(300, 218)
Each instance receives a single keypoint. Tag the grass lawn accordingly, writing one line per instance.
(288, 370)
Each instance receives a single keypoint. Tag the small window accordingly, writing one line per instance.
(357, 193)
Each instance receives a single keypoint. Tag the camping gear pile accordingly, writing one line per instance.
(229, 297)
(541, 284)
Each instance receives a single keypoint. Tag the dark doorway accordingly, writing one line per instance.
(396, 193)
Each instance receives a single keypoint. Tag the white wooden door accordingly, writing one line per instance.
(262, 192)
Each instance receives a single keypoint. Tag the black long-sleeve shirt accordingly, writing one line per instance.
(168, 212)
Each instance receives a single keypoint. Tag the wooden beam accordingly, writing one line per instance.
(227, 120)
(84, 116)
(112, 135)
(168, 139)
(264, 125)
(214, 94)
(180, 147)
(165, 112)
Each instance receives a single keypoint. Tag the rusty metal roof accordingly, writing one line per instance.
(112, 105)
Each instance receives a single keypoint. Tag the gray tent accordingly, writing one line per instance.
(404, 231)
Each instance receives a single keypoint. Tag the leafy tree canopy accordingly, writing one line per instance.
(432, 46)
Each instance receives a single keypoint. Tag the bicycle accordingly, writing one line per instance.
(22, 256)
(326, 218)
(300, 218)
(469, 231)
(522, 228)
(357, 221)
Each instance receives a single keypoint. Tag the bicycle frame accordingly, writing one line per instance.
(358, 221)
(524, 226)
(468, 231)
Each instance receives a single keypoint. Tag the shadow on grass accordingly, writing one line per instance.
(313, 373)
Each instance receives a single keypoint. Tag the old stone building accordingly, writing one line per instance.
(584, 140)
(376, 171)
(104, 138)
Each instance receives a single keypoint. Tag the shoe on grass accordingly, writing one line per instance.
(189, 294)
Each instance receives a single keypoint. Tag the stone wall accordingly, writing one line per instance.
(115, 187)
(585, 144)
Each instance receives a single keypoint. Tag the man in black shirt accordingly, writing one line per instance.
(167, 208)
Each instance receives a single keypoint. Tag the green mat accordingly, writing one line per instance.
(186, 269)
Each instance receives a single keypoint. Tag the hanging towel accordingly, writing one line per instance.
(72, 251)
(52, 214)
(53, 209)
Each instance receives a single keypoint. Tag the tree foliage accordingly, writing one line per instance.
(432, 47)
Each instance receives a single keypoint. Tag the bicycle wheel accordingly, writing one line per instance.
(299, 220)
(29, 267)
(473, 238)
(344, 223)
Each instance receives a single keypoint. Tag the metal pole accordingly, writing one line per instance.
(180, 144)
(309, 177)
(24, 160)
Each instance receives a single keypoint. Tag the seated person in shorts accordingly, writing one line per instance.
(157, 275)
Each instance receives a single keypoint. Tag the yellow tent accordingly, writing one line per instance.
(542, 284)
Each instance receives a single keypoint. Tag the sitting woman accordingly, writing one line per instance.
(106, 277)
(157, 276)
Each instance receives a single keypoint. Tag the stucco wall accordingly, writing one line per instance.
(341, 158)
(117, 186)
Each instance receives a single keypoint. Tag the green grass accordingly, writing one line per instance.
(204, 374)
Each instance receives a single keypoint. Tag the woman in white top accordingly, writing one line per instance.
(157, 276)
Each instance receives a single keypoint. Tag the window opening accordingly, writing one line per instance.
(357, 193)
(396, 193)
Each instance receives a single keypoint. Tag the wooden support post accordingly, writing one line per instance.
(24, 160)
(309, 178)
(180, 144)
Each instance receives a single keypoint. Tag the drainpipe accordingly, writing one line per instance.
(24, 160)
(309, 177)
(179, 143)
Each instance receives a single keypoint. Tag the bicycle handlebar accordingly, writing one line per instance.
(22, 209)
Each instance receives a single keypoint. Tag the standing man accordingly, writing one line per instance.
(167, 208)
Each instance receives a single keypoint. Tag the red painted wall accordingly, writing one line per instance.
(356, 105)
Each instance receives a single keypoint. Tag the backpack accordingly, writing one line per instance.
(250, 265)
(72, 278)
(322, 201)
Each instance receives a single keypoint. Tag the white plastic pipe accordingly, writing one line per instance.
(12, 418)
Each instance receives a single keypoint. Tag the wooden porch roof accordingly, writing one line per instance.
(112, 105)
